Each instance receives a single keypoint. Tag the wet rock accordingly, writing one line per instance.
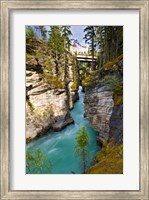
(58, 126)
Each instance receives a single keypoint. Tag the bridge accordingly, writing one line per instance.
(85, 58)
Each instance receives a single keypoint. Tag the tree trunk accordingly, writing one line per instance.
(92, 66)
(84, 162)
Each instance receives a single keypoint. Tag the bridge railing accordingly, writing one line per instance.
(85, 58)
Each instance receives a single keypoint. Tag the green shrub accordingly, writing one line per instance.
(74, 86)
(28, 56)
(54, 81)
(30, 104)
(37, 162)
(29, 32)
(118, 99)
(88, 81)
(116, 85)
(109, 65)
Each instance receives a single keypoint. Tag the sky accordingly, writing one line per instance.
(77, 31)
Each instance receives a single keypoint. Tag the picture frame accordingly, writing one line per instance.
(6, 7)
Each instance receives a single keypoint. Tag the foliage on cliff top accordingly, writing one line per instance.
(54, 81)
(111, 64)
(109, 160)
(114, 82)
(35, 45)
(106, 74)
(116, 85)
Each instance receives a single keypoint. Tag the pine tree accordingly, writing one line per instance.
(90, 38)
(109, 42)
(29, 33)
(36, 162)
(81, 146)
(100, 44)
(42, 30)
(66, 33)
(56, 45)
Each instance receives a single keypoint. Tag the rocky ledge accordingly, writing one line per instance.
(49, 94)
(104, 116)
(46, 108)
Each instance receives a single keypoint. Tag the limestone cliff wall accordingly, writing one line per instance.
(48, 100)
(103, 115)
(98, 109)
(45, 107)
(104, 104)
(116, 124)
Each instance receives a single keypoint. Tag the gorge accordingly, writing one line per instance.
(64, 94)
(59, 146)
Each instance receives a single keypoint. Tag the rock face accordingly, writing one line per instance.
(98, 109)
(48, 96)
(45, 107)
(73, 96)
(104, 103)
(116, 124)
(104, 109)
(104, 116)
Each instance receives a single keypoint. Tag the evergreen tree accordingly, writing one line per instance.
(90, 38)
(42, 30)
(109, 42)
(29, 33)
(56, 45)
(81, 146)
(66, 33)
(100, 44)
(36, 162)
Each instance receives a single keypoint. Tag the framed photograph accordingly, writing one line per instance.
(74, 99)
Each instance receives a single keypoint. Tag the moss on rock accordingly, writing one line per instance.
(118, 99)
(109, 160)
(111, 64)
(74, 86)
(88, 81)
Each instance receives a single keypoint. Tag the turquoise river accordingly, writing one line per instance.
(59, 146)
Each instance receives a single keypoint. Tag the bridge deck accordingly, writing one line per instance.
(85, 58)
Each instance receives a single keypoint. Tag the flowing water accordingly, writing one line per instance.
(59, 146)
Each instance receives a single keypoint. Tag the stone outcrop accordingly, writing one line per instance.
(116, 124)
(104, 116)
(104, 109)
(98, 109)
(73, 96)
(104, 104)
(45, 107)
(48, 100)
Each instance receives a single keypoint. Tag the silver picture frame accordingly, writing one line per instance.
(143, 7)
